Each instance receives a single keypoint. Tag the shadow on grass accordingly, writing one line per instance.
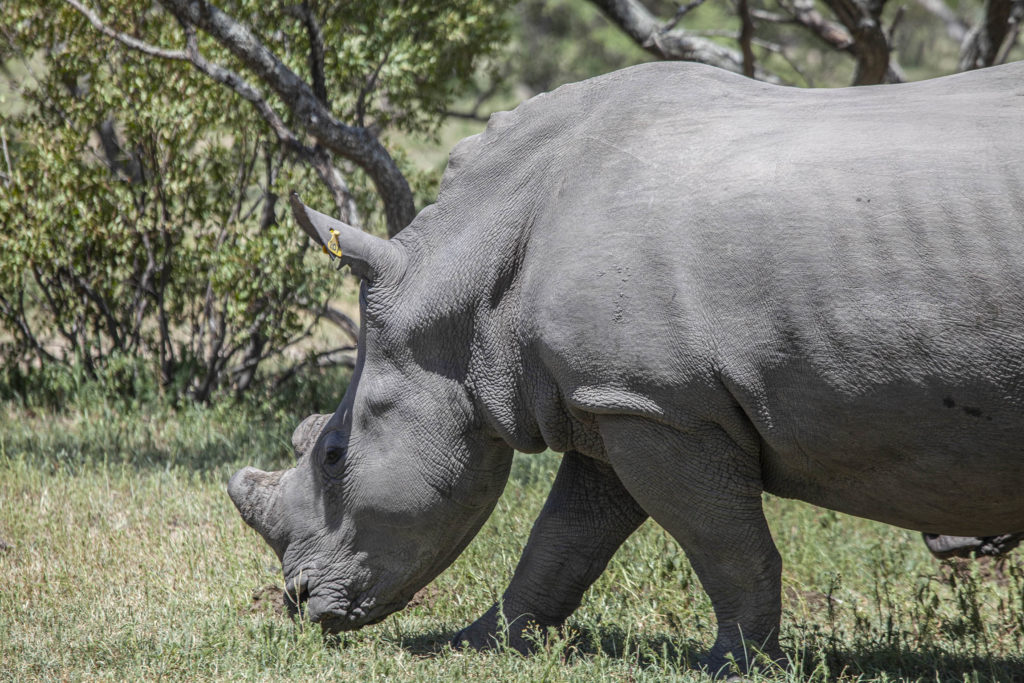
(187, 442)
(927, 665)
(611, 641)
(101, 431)
(665, 652)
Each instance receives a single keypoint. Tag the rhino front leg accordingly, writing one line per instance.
(587, 516)
(705, 490)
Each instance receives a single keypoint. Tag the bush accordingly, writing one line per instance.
(141, 227)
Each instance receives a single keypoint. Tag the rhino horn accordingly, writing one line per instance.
(369, 257)
(255, 493)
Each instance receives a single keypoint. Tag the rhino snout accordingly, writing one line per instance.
(255, 494)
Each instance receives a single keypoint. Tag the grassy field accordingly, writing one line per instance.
(122, 558)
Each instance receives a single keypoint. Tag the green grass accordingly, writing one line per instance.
(129, 562)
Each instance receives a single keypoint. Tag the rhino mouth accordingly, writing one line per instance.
(335, 609)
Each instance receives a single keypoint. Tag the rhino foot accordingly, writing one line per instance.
(946, 547)
(524, 634)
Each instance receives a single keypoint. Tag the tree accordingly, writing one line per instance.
(148, 151)
(861, 29)
(390, 63)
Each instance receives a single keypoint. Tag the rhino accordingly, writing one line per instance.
(946, 547)
(698, 288)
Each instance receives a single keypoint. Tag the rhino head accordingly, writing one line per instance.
(388, 490)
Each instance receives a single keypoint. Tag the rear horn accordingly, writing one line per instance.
(369, 257)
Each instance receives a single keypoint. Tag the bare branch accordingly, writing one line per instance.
(368, 87)
(468, 115)
(862, 18)
(640, 25)
(243, 88)
(9, 176)
(342, 355)
(16, 315)
(746, 36)
(357, 144)
(781, 50)
(1011, 39)
(833, 34)
(474, 113)
(341, 320)
(681, 12)
(982, 44)
(890, 35)
(322, 162)
(124, 38)
(771, 17)
(304, 13)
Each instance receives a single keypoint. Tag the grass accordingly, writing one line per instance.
(125, 560)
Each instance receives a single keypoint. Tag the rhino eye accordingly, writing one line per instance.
(333, 453)
(334, 446)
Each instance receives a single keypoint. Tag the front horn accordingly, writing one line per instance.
(369, 257)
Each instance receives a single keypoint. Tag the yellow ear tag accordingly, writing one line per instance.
(333, 248)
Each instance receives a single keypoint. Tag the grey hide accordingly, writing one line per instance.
(699, 288)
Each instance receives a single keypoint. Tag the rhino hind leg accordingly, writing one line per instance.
(944, 547)
(705, 490)
(587, 516)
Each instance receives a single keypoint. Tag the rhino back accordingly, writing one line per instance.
(846, 268)
(836, 278)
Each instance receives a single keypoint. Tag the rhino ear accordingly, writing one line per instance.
(305, 436)
(369, 257)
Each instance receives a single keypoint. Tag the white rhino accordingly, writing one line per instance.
(699, 288)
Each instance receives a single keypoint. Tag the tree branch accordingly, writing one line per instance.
(681, 12)
(474, 113)
(782, 52)
(354, 143)
(7, 177)
(368, 87)
(834, 35)
(981, 44)
(124, 38)
(322, 162)
(342, 321)
(746, 36)
(243, 88)
(304, 13)
(862, 18)
(639, 24)
(1011, 40)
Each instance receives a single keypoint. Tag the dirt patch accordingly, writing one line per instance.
(426, 596)
(814, 600)
(268, 599)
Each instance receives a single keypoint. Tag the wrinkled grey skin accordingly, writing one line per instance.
(699, 288)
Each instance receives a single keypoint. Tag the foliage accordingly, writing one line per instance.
(563, 41)
(141, 249)
(140, 218)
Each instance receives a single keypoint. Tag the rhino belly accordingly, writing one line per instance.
(941, 461)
